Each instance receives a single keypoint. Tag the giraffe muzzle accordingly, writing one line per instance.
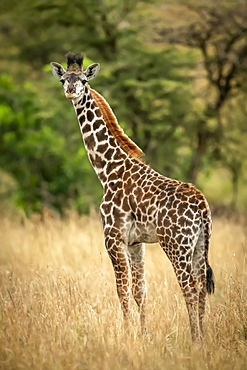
(70, 96)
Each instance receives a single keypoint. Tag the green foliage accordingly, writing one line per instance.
(152, 101)
(152, 88)
(48, 169)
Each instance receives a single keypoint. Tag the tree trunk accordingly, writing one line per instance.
(202, 138)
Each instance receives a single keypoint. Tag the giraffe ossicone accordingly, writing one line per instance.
(139, 204)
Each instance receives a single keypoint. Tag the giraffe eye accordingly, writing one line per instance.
(62, 81)
(84, 82)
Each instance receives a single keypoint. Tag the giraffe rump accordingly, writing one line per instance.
(73, 59)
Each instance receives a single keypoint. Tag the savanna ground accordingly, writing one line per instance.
(59, 308)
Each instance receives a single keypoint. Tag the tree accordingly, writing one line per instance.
(43, 30)
(144, 87)
(233, 153)
(151, 97)
(219, 33)
(47, 170)
(148, 85)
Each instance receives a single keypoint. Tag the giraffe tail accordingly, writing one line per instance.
(210, 280)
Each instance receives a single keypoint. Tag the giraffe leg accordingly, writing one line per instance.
(136, 254)
(118, 254)
(191, 290)
(199, 268)
(202, 306)
(182, 265)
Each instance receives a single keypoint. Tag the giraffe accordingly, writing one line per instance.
(140, 205)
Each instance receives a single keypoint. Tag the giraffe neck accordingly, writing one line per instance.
(107, 145)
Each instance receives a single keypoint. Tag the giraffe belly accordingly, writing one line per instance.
(140, 233)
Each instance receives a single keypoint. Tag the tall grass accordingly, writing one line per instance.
(59, 308)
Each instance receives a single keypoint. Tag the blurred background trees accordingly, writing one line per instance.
(174, 74)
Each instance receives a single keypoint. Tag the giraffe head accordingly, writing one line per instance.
(74, 78)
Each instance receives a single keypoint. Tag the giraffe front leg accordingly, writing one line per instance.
(118, 254)
(136, 254)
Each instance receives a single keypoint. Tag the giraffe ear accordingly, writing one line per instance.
(57, 69)
(92, 71)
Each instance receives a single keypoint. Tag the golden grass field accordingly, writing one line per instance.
(59, 308)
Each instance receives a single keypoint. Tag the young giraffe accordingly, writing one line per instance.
(140, 205)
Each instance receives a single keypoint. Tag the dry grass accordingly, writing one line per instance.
(59, 308)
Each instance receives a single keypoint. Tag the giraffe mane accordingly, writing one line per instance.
(111, 121)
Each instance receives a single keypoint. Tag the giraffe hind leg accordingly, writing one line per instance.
(136, 254)
(191, 291)
(204, 275)
(187, 279)
(208, 288)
